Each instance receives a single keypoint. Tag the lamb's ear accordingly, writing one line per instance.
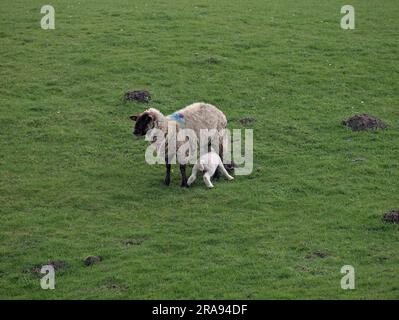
(134, 118)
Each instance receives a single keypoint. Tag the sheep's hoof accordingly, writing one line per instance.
(184, 184)
(167, 182)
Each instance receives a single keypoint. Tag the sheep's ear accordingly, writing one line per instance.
(133, 118)
(151, 115)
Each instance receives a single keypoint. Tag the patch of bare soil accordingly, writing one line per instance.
(361, 122)
(138, 95)
(91, 260)
(247, 120)
(57, 265)
(132, 242)
(392, 216)
(317, 254)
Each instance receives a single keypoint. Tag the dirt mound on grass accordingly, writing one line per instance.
(247, 120)
(56, 264)
(132, 242)
(361, 122)
(392, 217)
(317, 254)
(137, 95)
(90, 260)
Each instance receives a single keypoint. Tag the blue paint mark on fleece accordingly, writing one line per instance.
(179, 118)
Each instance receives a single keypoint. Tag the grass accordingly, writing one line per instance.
(74, 183)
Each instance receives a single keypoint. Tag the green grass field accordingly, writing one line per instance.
(74, 182)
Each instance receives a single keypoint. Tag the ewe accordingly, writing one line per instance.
(196, 116)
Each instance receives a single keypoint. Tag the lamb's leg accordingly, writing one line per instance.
(168, 167)
(207, 180)
(216, 175)
(193, 176)
(224, 171)
(183, 175)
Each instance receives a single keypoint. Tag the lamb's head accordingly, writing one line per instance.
(145, 121)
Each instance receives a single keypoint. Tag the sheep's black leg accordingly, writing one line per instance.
(183, 175)
(228, 166)
(221, 151)
(167, 177)
(216, 175)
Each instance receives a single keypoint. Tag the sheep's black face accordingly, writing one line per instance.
(144, 122)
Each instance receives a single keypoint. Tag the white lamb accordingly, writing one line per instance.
(208, 163)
